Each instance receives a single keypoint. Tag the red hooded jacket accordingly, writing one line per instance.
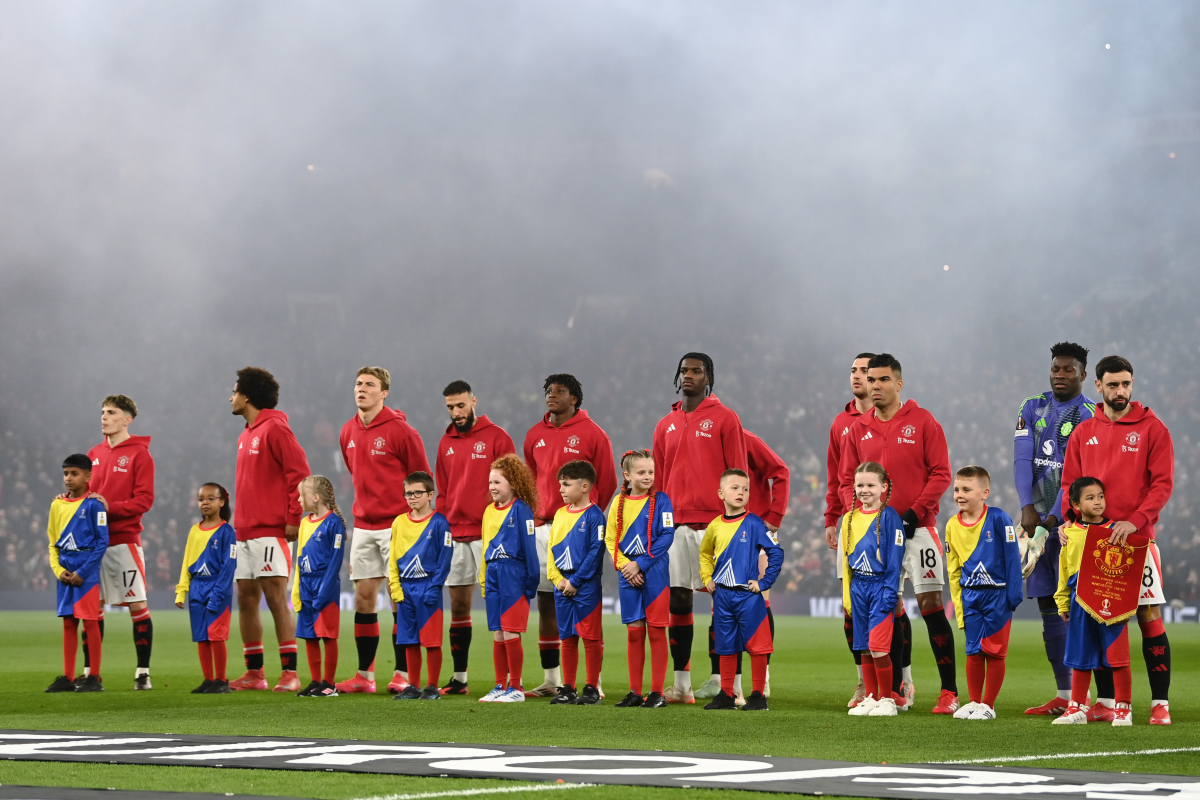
(837, 431)
(547, 448)
(769, 481)
(690, 453)
(1135, 459)
(911, 446)
(463, 463)
(380, 456)
(270, 466)
(124, 476)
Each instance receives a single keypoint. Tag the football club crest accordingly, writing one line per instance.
(1110, 577)
(123, 461)
(1133, 438)
(254, 443)
(573, 441)
(706, 425)
(380, 442)
(480, 447)
(908, 431)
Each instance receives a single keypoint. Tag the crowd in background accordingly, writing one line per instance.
(626, 390)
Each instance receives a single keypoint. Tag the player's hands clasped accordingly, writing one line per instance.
(633, 574)
(566, 588)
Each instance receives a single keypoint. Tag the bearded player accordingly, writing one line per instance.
(380, 450)
(1045, 424)
(694, 445)
(464, 460)
(1129, 449)
(911, 446)
(565, 433)
(123, 480)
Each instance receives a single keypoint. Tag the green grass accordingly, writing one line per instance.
(812, 677)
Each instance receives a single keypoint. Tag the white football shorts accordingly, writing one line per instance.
(268, 557)
(369, 553)
(464, 563)
(123, 575)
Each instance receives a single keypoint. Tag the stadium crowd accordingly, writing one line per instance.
(788, 406)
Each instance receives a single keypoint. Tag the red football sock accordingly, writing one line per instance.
(758, 672)
(433, 659)
(570, 660)
(659, 652)
(95, 641)
(883, 674)
(976, 672)
(995, 679)
(516, 661)
(412, 654)
(220, 658)
(1123, 684)
(636, 656)
(870, 686)
(313, 648)
(70, 645)
(1081, 682)
(331, 659)
(206, 666)
(500, 659)
(728, 671)
(593, 649)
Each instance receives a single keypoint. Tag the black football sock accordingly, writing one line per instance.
(941, 640)
(1157, 652)
(897, 654)
(848, 629)
(713, 658)
(460, 643)
(1104, 684)
(906, 626)
(143, 637)
(771, 622)
(366, 639)
(682, 630)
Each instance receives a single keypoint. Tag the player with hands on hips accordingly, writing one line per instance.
(206, 585)
(641, 527)
(872, 560)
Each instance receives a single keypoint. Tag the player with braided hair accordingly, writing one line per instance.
(641, 527)
(694, 445)
(872, 558)
(317, 589)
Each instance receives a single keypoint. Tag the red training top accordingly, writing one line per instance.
(463, 463)
(270, 466)
(839, 428)
(769, 481)
(124, 476)
(911, 446)
(380, 456)
(1133, 457)
(547, 448)
(690, 453)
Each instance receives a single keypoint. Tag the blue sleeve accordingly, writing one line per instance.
(445, 549)
(101, 532)
(222, 591)
(768, 544)
(592, 563)
(1023, 454)
(660, 542)
(891, 550)
(523, 518)
(1012, 560)
(330, 590)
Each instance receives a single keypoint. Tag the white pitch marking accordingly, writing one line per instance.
(535, 787)
(1010, 759)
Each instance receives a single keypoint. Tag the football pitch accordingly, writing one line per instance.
(811, 679)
